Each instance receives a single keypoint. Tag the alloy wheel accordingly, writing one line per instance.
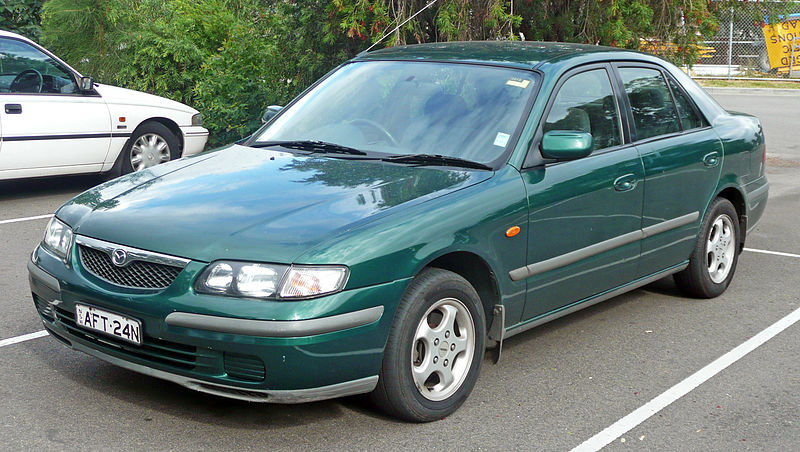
(444, 347)
(720, 248)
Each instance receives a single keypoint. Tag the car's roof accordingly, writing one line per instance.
(8, 34)
(523, 54)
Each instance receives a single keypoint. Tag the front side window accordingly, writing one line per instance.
(26, 69)
(586, 103)
(402, 107)
(651, 102)
(689, 118)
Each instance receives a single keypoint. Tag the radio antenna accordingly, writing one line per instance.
(397, 27)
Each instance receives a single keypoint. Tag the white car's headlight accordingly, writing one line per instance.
(58, 238)
(270, 281)
(197, 120)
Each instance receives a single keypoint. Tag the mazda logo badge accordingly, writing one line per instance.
(118, 257)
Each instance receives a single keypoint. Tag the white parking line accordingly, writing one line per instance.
(23, 338)
(17, 220)
(776, 253)
(674, 393)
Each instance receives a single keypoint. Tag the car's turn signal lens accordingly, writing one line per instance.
(303, 282)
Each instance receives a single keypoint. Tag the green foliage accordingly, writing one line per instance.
(666, 27)
(237, 83)
(21, 16)
(232, 58)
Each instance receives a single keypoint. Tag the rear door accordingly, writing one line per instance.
(585, 214)
(682, 159)
(48, 125)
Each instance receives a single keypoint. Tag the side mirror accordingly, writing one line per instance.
(86, 84)
(566, 145)
(270, 113)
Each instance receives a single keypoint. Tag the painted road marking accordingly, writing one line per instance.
(23, 338)
(776, 253)
(674, 393)
(17, 220)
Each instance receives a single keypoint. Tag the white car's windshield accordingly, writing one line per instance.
(458, 110)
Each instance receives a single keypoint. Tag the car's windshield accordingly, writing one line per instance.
(395, 107)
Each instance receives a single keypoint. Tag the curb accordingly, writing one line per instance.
(753, 91)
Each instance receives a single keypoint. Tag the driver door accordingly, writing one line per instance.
(48, 125)
(585, 214)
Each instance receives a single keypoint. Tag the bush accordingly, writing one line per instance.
(231, 58)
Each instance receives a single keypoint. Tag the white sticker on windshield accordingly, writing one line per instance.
(518, 82)
(501, 139)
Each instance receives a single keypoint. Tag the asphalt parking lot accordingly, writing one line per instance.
(555, 387)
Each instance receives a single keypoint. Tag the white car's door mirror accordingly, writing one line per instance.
(270, 113)
(86, 84)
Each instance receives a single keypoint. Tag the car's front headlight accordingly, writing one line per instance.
(58, 238)
(197, 120)
(270, 281)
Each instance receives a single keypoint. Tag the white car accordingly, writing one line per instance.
(55, 121)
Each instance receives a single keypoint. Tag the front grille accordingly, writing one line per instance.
(244, 367)
(136, 274)
(152, 349)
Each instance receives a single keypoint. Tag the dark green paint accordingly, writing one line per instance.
(386, 222)
(565, 145)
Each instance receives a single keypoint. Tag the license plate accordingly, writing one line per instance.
(125, 328)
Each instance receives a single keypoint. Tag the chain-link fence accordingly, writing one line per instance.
(755, 39)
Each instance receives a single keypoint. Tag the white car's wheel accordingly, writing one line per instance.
(152, 144)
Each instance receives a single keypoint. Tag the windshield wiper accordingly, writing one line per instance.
(436, 159)
(313, 146)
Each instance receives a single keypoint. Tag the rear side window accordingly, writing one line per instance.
(651, 102)
(586, 103)
(689, 118)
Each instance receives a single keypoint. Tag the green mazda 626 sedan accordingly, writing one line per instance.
(412, 208)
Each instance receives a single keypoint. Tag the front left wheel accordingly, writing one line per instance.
(435, 348)
(151, 144)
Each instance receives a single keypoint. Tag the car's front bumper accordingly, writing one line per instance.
(270, 358)
(194, 140)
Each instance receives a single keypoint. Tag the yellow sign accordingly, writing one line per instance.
(779, 38)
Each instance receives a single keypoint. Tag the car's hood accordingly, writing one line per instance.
(252, 204)
(123, 96)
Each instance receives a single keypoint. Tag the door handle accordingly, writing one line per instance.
(625, 183)
(13, 109)
(711, 159)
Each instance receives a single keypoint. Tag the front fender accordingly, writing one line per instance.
(473, 219)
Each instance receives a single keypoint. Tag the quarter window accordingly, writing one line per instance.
(26, 69)
(689, 118)
(586, 103)
(651, 102)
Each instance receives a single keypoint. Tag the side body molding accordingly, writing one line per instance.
(607, 245)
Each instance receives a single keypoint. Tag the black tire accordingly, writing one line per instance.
(397, 393)
(697, 280)
(154, 128)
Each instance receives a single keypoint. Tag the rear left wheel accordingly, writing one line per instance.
(716, 253)
(435, 348)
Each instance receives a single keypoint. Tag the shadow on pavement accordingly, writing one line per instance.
(26, 188)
